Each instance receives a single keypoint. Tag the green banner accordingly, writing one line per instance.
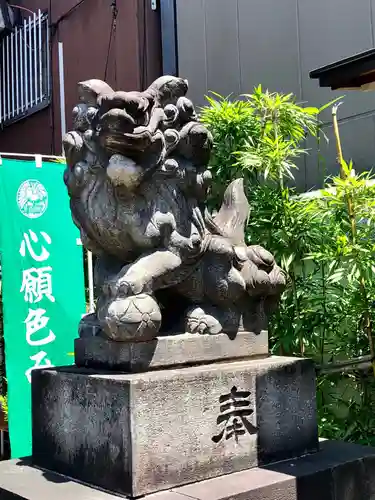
(43, 282)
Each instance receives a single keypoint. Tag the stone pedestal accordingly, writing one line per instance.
(339, 471)
(135, 434)
(168, 351)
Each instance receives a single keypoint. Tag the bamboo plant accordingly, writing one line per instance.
(325, 246)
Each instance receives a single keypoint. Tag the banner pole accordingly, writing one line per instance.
(91, 282)
(62, 90)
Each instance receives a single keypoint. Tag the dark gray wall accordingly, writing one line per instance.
(230, 46)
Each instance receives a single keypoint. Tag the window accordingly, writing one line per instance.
(25, 69)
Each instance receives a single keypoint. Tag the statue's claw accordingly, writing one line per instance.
(197, 321)
(130, 287)
(124, 287)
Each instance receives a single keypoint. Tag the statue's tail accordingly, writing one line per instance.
(231, 219)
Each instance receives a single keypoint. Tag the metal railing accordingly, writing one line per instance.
(25, 82)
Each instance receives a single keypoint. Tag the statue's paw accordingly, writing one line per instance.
(110, 289)
(123, 287)
(197, 321)
(127, 287)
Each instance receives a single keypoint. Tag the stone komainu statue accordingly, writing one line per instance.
(137, 178)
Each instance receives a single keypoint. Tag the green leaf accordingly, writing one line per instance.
(330, 103)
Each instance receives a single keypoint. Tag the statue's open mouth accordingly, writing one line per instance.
(123, 171)
(121, 142)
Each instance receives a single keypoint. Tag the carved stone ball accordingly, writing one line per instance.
(136, 319)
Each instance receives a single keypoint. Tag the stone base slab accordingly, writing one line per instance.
(163, 352)
(135, 434)
(339, 471)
